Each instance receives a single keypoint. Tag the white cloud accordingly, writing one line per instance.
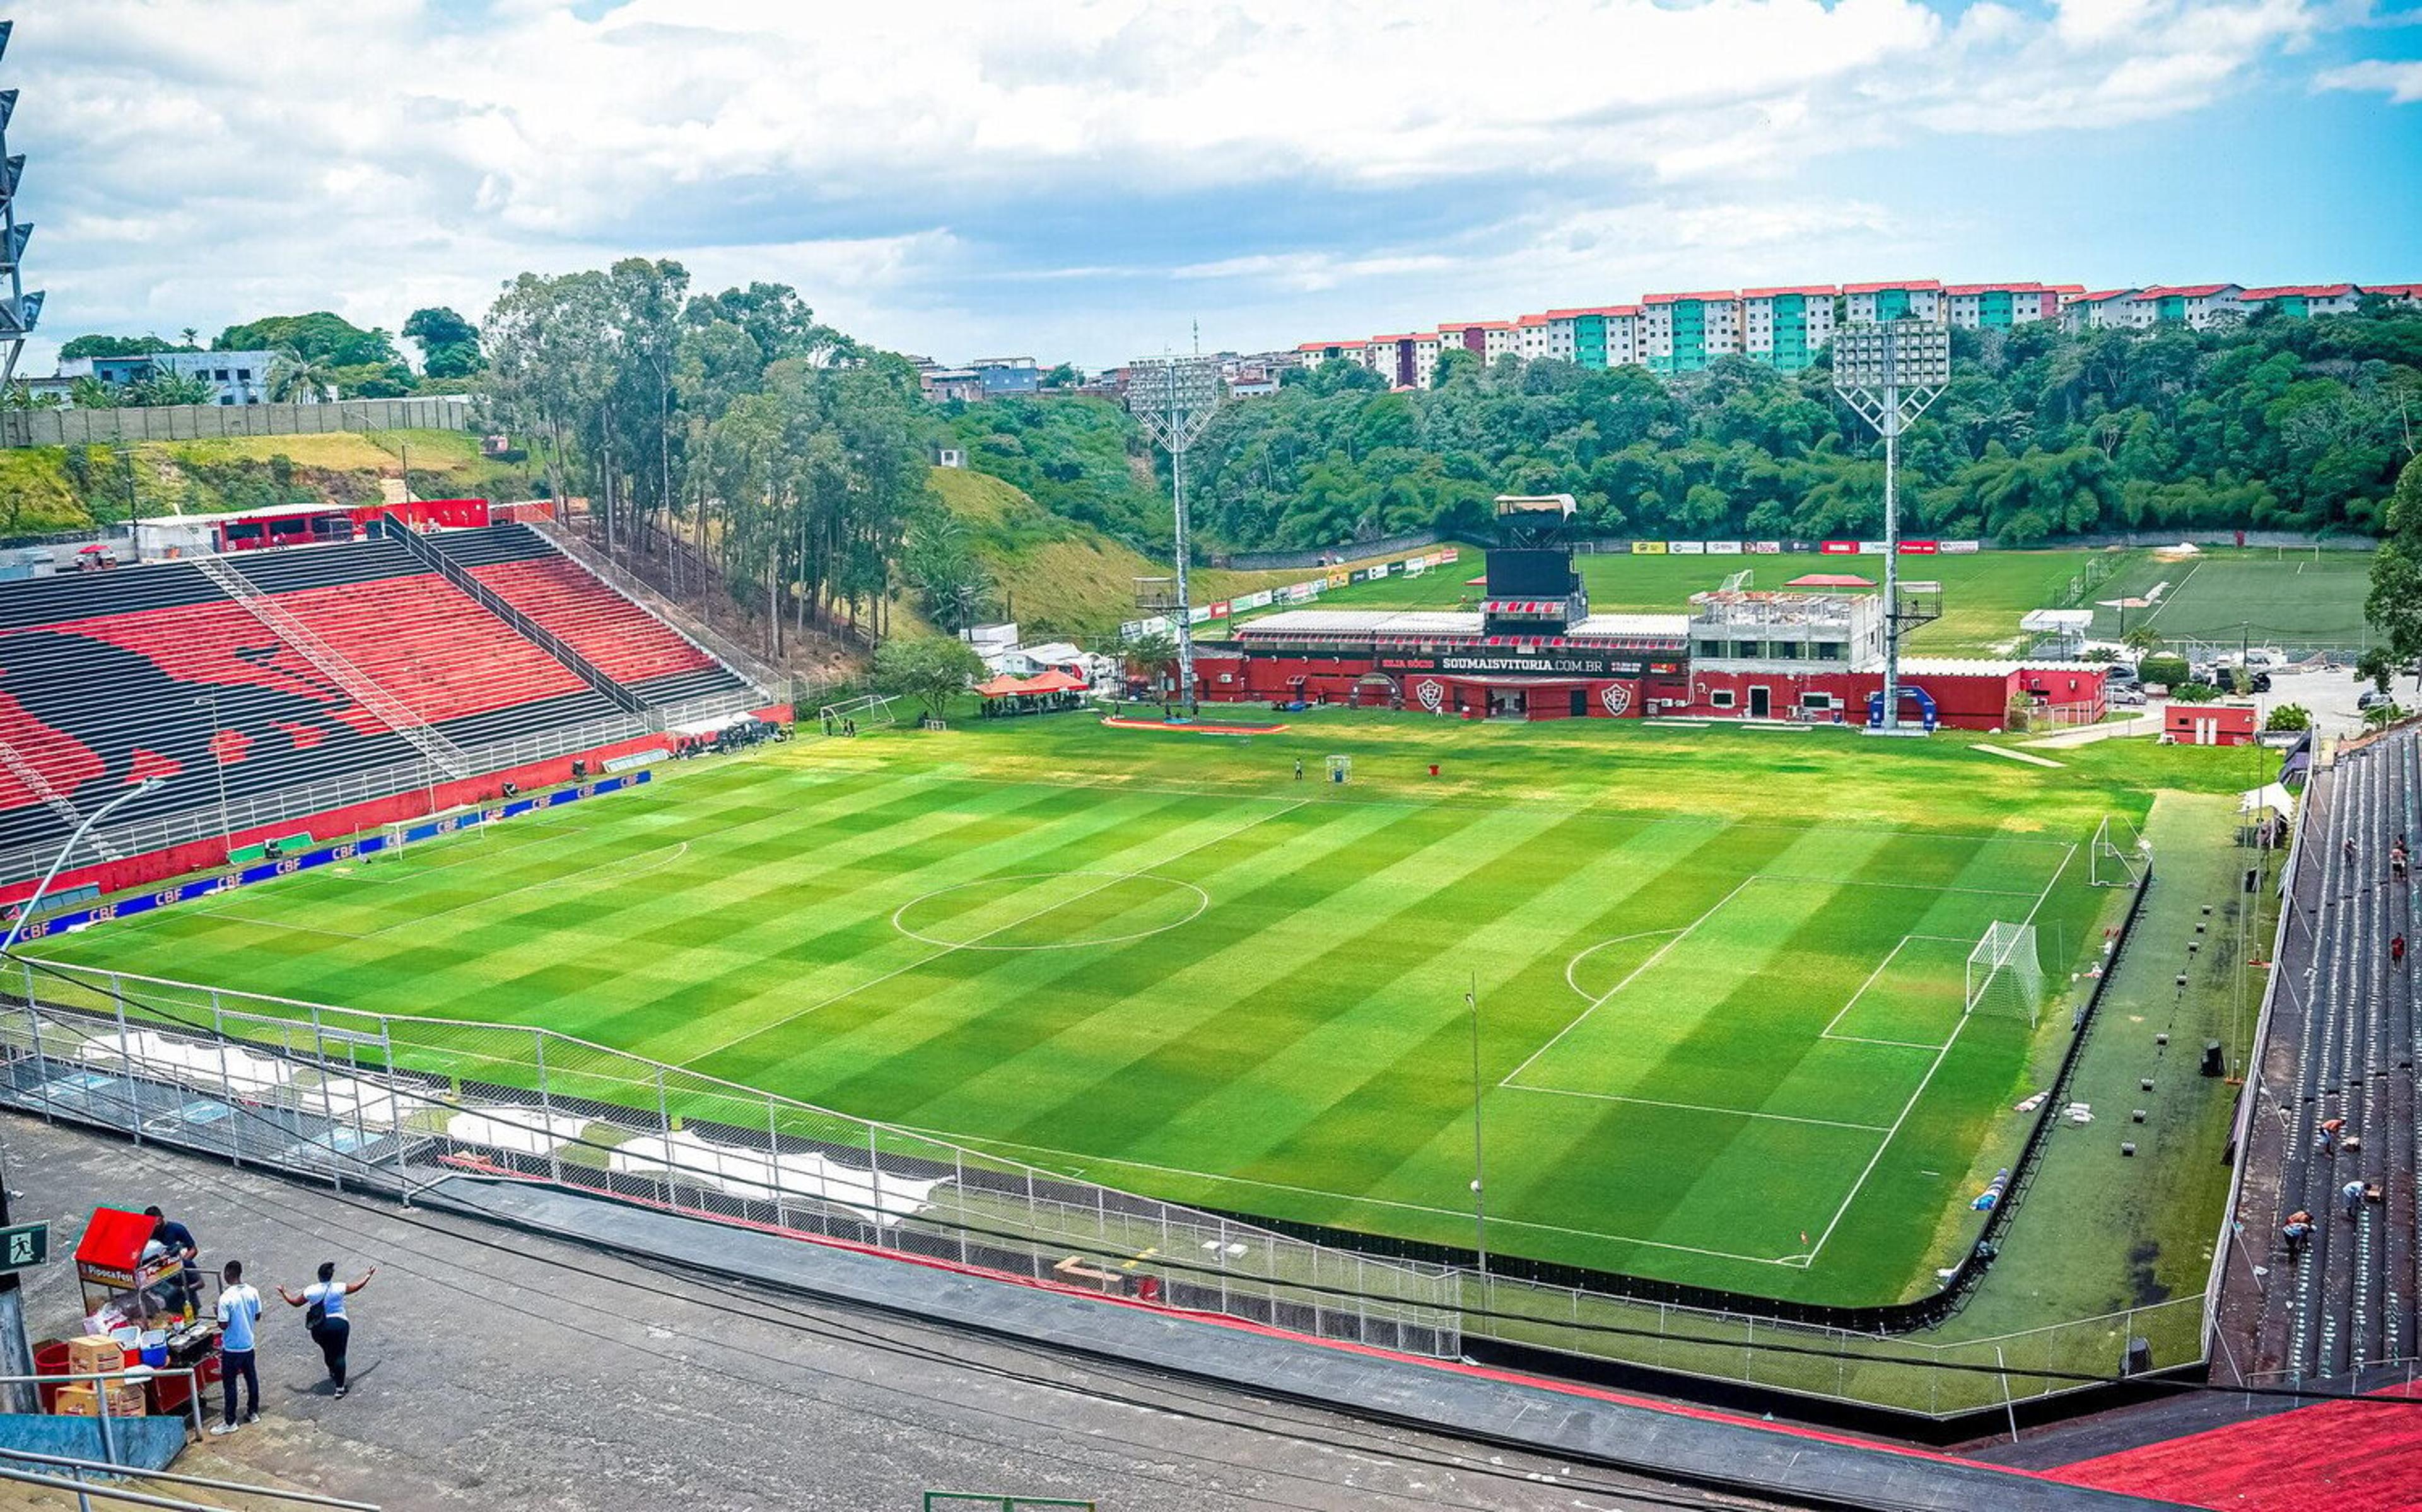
(2400, 82)
(201, 161)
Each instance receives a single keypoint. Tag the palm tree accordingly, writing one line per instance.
(2143, 640)
(294, 379)
(189, 332)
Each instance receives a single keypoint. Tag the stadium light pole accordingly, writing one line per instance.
(17, 925)
(19, 310)
(1174, 399)
(1889, 372)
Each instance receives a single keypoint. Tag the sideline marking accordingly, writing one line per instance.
(1702, 1107)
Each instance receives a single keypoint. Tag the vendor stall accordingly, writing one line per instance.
(135, 1293)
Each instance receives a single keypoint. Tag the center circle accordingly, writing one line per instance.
(1050, 911)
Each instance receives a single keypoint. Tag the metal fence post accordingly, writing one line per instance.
(386, 1055)
(126, 1061)
(546, 1107)
(41, 1061)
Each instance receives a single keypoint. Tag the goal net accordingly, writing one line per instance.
(393, 837)
(2119, 854)
(2004, 977)
(868, 713)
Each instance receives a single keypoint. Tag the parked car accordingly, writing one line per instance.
(2265, 656)
(2374, 698)
(2124, 696)
(2119, 675)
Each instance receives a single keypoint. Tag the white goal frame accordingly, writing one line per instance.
(2119, 855)
(2006, 977)
(873, 711)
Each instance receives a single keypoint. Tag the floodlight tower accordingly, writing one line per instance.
(1174, 399)
(19, 310)
(1889, 372)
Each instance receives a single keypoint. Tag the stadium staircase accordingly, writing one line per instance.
(2344, 1043)
(277, 684)
(358, 617)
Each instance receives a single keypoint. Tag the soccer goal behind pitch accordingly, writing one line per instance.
(872, 711)
(2119, 855)
(2005, 978)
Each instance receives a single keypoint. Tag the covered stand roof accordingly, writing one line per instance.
(1046, 682)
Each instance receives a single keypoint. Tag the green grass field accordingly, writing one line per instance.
(1718, 972)
(2224, 597)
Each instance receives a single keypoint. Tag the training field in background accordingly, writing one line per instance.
(2291, 598)
(1720, 996)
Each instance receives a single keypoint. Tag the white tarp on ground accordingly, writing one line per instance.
(747, 1173)
(355, 1101)
(208, 1068)
(2270, 796)
(515, 1130)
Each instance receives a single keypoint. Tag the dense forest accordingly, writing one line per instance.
(2280, 423)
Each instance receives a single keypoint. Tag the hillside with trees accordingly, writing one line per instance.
(2282, 423)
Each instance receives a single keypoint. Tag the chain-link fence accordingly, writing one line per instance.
(404, 1104)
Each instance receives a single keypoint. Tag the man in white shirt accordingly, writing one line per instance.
(239, 1334)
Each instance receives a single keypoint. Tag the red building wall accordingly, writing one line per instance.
(2210, 723)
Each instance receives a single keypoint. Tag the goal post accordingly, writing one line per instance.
(871, 710)
(2119, 855)
(2006, 977)
(392, 840)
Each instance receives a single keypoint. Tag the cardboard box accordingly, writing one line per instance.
(125, 1400)
(95, 1352)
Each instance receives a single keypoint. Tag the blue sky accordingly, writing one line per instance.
(1086, 179)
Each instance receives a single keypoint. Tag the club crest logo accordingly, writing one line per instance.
(1617, 696)
(1432, 694)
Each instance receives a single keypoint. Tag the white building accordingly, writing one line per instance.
(1919, 299)
(1787, 326)
(1683, 333)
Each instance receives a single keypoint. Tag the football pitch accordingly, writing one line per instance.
(1719, 988)
(2291, 598)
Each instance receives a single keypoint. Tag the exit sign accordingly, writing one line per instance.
(25, 1246)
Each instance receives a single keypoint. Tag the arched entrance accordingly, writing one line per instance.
(1375, 690)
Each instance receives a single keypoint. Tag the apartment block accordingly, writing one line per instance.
(2302, 300)
(1999, 307)
(2194, 305)
(1683, 333)
(1912, 300)
(1787, 327)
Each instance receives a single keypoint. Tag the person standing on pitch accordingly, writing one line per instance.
(330, 1329)
(238, 1323)
(1298, 769)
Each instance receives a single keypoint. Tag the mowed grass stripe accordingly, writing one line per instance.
(1105, 837)
(1391, 1063)
(1001, 1007)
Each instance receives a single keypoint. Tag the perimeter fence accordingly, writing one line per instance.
(402, 1105)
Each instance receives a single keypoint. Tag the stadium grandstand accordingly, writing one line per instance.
(2331, 1136)
(334, 685)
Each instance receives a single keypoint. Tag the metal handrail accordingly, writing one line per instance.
(83, 1491)
(178, 1477)
(101, 1402)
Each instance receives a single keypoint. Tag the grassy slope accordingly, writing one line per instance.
(1060, 577)
(1307, 1031)
(334, 466)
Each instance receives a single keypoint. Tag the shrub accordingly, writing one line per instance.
(2194, 692)
(2289, 717)
(2170, 670)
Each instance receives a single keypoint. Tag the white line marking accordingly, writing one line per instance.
(1885, 1143)
(1911, 887)
(2017, 755)
(1826, 1032)
(1202, 901)
(1697, 1107)
(1586, 951)
(1658, 955)
(786, 1020)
